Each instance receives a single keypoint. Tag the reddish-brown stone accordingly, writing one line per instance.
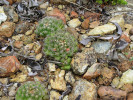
(85, 23)
(73, 14)
(125, 36)
(8, 65)
(92, 16)
(57, 13)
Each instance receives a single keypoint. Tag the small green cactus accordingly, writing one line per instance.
(61, 46)
(48, 25)
(32, 91)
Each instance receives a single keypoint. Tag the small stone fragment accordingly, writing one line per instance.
(59, 83)
(9, 65)
(44, 5)
(7, 29)
(38, 56)
(127, 77)
(73, 31)
(51, 67)
(115, 82)
(94, 24)
(69, 77)
(86, 89)
(54, 95)
(74, 23)
(57, 13)
(125, 36)
(85, 23)
(3, 17)
(106, 91)
(106, 76)
(73, 14)
(93, 71)
(119, 19)
(18, 44)
(131, 31)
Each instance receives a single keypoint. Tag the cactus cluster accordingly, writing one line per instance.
(61, 46)
(32, 91)
(48, 25)
(113, 2)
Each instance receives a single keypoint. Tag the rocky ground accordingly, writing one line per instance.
(102, 69)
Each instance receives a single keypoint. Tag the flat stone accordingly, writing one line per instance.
(94, 24)
(102, 30)
(44, 5)
(74, 23)
(59, 83)
(18, 44)
(86, 89)
(81, 61)
(7, 29)
(101, 47)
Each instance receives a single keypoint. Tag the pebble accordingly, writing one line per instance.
(38, 56)
(49, 8)
(3, 16)
(94, 24)
(18, 44)
(52, 67)
(125, 36)
(57, 13)
(81, 61)
(18, 37)
(7, 29)
(131, 31)
(12, 90)
(86, 89)
(74, 23)
(59, 83)
(73, 14)
(44, 5)
(9, 65)
(29, 32)
(131, 46)
(131, 37)
(85, 23)
(54, 95)
(93, 71)
(69, 77)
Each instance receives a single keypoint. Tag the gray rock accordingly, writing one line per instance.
(69, 77)
(12, 90)
(101, 47)
(86, 89)
(81, 61)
